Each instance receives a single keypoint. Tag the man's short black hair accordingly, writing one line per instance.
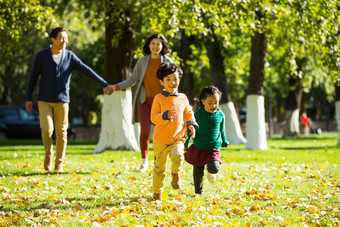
(168, 68)
(55, 31)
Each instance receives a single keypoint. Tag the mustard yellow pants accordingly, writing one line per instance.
(59, 113)
(162, 152)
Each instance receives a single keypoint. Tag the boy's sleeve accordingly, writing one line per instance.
(189, 115)
(225, 142)
(188, 139)
(156, 114)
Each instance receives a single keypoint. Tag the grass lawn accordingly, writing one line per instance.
(296, 182)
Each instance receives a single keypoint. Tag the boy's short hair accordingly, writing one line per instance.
(168, 68)
(55, 31)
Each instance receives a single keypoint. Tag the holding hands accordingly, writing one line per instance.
(193, 131)
(109, 89)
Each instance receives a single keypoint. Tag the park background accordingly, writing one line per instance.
(283, 53)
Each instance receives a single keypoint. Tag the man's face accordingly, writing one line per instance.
(171, 82)
(61, 41)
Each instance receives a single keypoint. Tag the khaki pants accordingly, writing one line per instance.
(175, 151)
(59, 113)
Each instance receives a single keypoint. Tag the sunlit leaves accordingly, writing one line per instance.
(17, 17)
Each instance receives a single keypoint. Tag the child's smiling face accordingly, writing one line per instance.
(211, 103)
(171, 82)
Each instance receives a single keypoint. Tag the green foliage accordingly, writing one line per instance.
(295, 29)
(17, 17)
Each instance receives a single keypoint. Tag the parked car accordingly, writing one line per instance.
(16, 122)
(242, 114)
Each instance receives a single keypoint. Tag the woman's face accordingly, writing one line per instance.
(155, 46)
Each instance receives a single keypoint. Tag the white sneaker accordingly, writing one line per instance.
(143, 168)
(211, 177)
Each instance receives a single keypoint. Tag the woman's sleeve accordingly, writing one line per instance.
(134, 78)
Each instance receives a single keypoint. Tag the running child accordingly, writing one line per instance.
(172, 114)
(208, 138)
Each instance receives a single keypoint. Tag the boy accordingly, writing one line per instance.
(171, 114)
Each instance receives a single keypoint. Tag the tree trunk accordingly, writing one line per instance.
(187, 83)
(292, 107)
(117, 132)
(255, 125)
(232, 123)
(337, 108)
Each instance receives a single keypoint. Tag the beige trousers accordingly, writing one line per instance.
(59, 113)
(175, 151)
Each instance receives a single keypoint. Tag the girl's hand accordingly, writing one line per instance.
(193, 131)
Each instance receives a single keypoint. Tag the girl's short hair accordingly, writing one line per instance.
(166, 48)
(168, 68)
(55, 31)
(206, 91)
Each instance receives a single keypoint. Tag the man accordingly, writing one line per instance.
(54, 66)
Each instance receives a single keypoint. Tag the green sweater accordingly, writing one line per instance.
(211, 133)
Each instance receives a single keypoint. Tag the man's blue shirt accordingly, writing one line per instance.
(55, 79)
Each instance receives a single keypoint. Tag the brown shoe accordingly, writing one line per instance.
(59, 170)
(176, 182)
(157, 197)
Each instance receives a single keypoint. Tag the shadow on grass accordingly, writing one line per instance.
(22, 142)
(302, 138)
(320, 148)
(21, 174)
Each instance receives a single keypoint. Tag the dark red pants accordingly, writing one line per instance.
(145, 125)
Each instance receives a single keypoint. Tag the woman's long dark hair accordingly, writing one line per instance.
(166, 48)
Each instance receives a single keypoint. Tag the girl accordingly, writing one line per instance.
(209, 137)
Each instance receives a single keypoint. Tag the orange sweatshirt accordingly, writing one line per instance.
(165, 131)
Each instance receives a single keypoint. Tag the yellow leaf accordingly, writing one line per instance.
(287, 222)
(207, 220)
(253, 191)
(165, 196)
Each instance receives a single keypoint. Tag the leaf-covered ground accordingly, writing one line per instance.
(296, 182)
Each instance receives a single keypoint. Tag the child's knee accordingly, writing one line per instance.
(177, 158)
(213, 167)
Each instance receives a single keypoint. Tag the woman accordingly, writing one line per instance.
(144, 75)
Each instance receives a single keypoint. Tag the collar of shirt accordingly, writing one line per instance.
(166, 94)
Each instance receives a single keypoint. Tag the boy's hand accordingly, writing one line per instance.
(193, 131)
(171, 113)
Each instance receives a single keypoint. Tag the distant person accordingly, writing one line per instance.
(208, 138)
(148, 86)
(304, 124)
(172, 114)
(53, 67)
